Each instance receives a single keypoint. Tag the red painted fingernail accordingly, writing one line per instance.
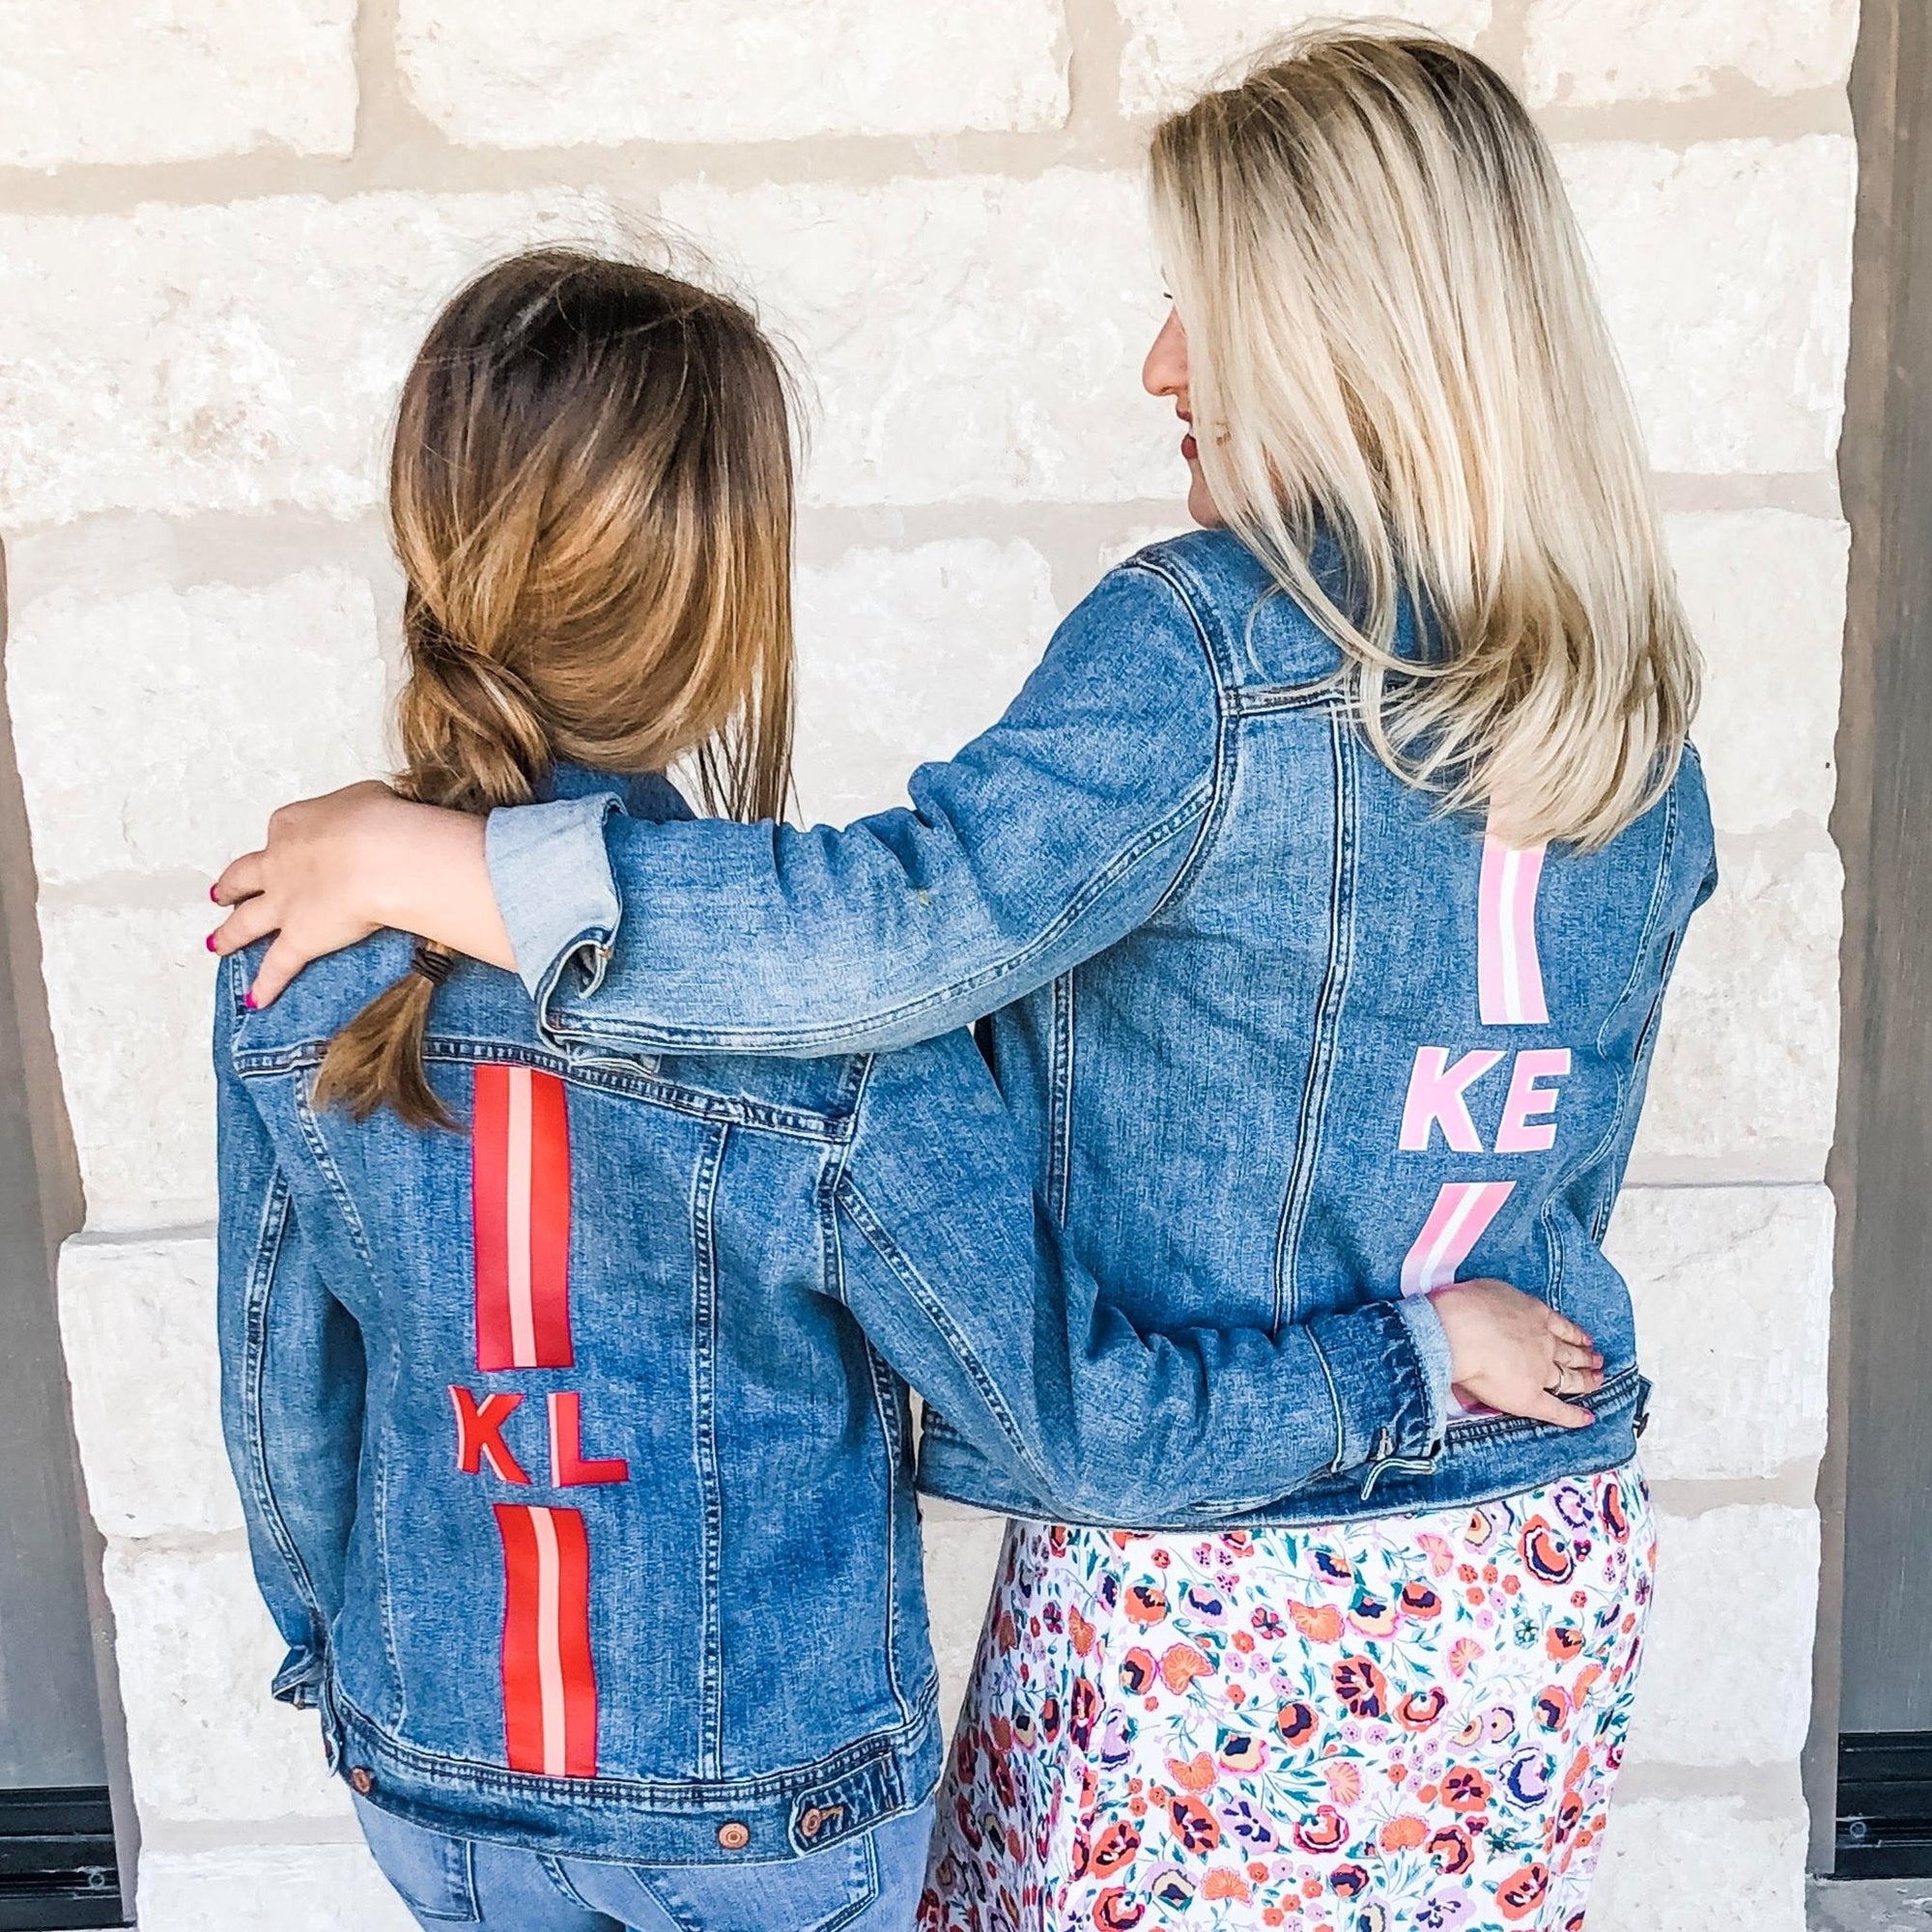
(210, 942)
(248, 1001)
(215, 894)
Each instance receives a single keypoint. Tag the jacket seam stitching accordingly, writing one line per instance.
(1335, 983)
(1218, 788)
(895, 1449)
(1059, 1128)
(1272, 700)
(317, 1143)
(1334, 1402)
(705, 1416)
(272, 1234)
(875, 1747)
(801, 1123)
(1626, 1086)
(1622, 1391)
(831, 1177)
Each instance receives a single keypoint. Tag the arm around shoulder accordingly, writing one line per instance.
(1047, 839)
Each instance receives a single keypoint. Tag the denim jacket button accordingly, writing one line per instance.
(734, 1836)
(809, 1826)
(363, 1780)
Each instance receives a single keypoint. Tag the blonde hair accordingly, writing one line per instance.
(590, 493)
(1394, 343)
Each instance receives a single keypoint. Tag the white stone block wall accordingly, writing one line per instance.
(222, 225)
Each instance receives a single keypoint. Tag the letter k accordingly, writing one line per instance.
(1435, 1091)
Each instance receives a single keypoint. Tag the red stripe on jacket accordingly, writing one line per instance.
(550, 1681)
(520, 1189)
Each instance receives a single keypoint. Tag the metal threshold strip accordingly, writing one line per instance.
(57, 1868)
(1885, 1805)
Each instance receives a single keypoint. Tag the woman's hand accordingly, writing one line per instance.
(339, 868)
(1512, 1352)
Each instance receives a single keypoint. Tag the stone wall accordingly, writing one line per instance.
(221, 227)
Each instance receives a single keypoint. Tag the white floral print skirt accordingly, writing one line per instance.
(1401, 1724)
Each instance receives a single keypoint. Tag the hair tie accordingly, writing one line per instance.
(431, 963)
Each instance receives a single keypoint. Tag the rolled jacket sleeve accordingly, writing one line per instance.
(552, 876)
(1431, 1342)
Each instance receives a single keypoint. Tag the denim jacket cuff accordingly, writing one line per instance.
(552, 876)
(1432, 1346)
(1385, 1409)
(299, 1682)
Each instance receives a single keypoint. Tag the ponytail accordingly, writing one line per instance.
(377, 1060)
(475, 740)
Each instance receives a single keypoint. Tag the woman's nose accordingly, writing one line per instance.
(1165, 371)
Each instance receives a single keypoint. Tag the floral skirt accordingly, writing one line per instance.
(1402, 1725)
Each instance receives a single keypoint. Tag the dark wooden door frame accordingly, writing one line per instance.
(1882, 818)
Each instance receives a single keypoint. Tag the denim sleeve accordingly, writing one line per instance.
(1053, 835)
(1432, 1347)
(292, 1376)
(552, 877)
(968, 1289)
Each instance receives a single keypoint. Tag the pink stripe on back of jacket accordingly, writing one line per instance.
(1508, 970)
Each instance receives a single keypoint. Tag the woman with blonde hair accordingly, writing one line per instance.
(1318, 892)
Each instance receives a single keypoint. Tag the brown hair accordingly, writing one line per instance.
(590, 493)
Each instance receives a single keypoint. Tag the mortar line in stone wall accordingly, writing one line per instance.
(1734, 110)
(636, 171)
(243, 546)
(1799, 1164)
(1701, 1174)
(1763, 1790)
(828, 532)
(168, 888)
(386, 120)
(403, 156)
(180, 1543)
(121, 552)
(1805, 493)
(1789, 1487)
(188, 1838)
(1096, 37)
(160, 1235)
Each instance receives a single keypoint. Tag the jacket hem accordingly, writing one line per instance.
(656, 1822)
(1480, 1462)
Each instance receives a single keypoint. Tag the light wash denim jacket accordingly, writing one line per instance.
(1278, 1033)
(575, 1446)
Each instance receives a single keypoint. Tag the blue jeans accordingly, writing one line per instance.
(869, 1884)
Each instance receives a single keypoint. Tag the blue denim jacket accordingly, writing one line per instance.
(1277, 1031)
(574, 1447)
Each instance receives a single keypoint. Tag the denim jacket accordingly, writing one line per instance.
(575, 1445)
(1278, 1032)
